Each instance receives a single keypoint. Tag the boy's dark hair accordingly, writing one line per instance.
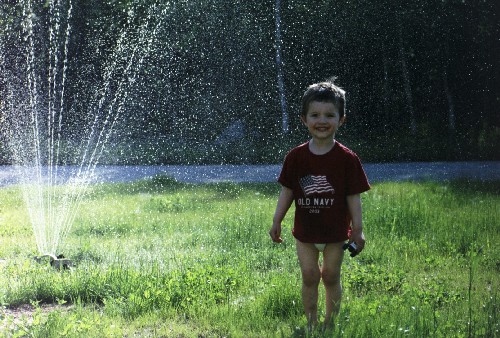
(324, 92)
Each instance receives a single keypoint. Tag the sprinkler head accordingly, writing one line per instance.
(59, 262)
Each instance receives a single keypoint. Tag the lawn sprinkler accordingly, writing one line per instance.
(59, 262)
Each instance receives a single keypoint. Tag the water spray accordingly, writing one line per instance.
(55, 164)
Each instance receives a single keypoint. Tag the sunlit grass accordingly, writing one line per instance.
(159, 258)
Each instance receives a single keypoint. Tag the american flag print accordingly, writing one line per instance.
(312, 184)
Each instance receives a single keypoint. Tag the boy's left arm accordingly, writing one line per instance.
(357, 236)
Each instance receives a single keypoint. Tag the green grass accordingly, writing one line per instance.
(162, 259)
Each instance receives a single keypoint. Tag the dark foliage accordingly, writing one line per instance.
(421, 77)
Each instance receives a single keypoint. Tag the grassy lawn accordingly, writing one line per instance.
(162, 259)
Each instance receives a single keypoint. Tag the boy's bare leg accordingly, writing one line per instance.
(308, 259)
(330, 273)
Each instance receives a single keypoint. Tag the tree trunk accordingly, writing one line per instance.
(279, 66)
(386, 93)
(453, 147)
(407, 84)
(451, 105)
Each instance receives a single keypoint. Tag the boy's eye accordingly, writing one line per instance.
(327, 115)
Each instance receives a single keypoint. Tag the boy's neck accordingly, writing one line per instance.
(321, 147)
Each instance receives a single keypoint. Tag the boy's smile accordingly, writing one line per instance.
(322, 120)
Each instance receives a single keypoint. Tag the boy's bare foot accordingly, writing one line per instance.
(312, 326)
(328, 326)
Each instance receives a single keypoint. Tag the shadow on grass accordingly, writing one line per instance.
(470, 187)
(166, 184)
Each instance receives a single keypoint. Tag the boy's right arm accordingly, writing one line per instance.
(284, 202)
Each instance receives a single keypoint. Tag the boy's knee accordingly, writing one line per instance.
(311, 277)
(330, 277)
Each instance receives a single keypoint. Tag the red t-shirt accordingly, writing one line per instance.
(320, 184)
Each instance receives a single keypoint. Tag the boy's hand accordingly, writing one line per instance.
(275, 233)
(358, 237)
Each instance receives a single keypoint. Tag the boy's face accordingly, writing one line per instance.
(322, 120)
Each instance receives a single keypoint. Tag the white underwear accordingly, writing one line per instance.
(320, 246)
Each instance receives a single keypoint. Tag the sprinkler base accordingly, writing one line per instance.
(59, 262)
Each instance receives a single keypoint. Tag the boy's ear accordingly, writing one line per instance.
(303, 119)
(342, 120)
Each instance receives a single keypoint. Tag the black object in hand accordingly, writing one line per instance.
(353, 249)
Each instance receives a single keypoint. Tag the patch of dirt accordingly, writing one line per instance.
(11, 318)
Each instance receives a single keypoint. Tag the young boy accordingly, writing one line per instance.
(325, 180)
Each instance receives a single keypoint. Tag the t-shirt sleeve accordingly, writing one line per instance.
(357, 182)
